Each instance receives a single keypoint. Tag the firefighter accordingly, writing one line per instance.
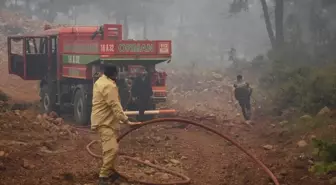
(242, 92)
(142, 92)
(106, 116)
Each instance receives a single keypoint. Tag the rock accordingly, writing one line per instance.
(302, 144)
(27, 165)
(53, 114)
(50, 145)
(311, 162)
(59, 121)
(44, 149)
(62, 133)
(283, 172)
(149, 171)
(2, 154)
(45, 116)
(283, 123)
(163, 176)
(302, 157)
(39, 117)
(139, 175)
(174, 161)
(312, 137)
(157, 139)
(268, 147)
(17, 112)
(2, 166)
(324, 111)
(306, 117)
(217, 76)
(332, 180)
(184, 157)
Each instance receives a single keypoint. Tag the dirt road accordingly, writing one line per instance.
(42, 152)
(35, 154)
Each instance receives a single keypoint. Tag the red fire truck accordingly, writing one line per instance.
(68, 60)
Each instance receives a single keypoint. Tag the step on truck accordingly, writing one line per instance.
(68, 60)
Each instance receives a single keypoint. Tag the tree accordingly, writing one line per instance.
(276, 39)
(279, 17)
(268, 23)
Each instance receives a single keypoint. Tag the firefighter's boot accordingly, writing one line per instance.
(114, 177)
(103, 181)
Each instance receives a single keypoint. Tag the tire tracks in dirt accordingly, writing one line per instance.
(204, 152)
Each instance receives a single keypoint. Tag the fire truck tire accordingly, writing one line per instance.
(81, 108)
(48, 99)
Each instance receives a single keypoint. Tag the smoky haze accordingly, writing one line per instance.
(201, 30)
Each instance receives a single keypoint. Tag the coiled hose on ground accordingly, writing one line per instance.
(186, 180)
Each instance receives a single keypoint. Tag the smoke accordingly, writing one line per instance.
(201, 31)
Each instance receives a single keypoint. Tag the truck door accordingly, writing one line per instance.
(16, 55)
(28, 57)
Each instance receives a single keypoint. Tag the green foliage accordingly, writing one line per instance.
(326, 154)
(296, 81)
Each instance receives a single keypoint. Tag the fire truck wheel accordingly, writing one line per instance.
(81, 108)
(48, 99)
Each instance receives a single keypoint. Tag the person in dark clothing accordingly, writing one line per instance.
(242, 93)
(142, 91)
(123, 92)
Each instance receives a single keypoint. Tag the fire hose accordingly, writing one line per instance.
(186, 180)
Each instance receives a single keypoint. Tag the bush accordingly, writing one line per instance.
(308, 88)
(325, 153)
(3, 96)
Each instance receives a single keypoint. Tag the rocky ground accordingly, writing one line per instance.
(43, 149)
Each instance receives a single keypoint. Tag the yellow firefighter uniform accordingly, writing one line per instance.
(106, 116)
